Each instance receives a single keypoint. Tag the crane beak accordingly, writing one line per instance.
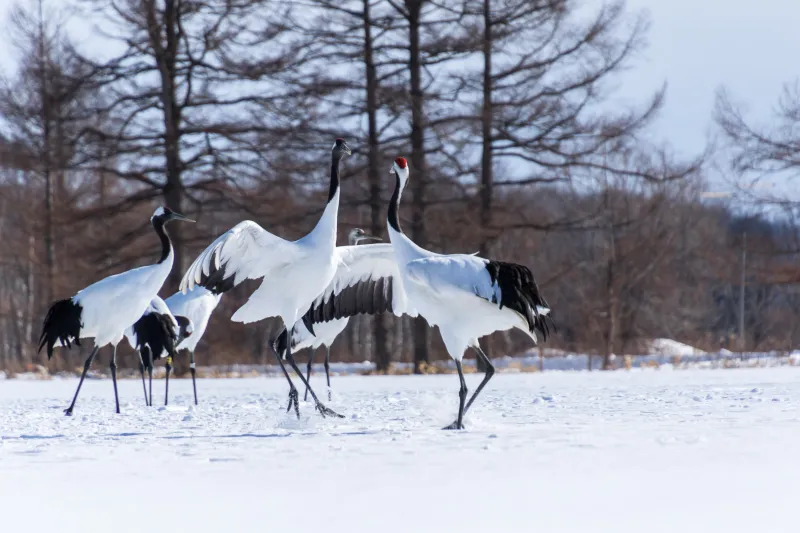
(347, 149)
(178, 216)
(366, 237)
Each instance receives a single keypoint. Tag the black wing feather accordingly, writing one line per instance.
(368, 297)
(156, 332)
(215, 281)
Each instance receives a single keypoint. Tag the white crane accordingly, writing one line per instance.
(324, 333)
(197, 305)
(466, 296)
(157, 334)
(293, 273)
(105, 309)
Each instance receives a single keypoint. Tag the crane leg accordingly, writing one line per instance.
(328, 369)
(86, 365)
(462, 396)
(292, 389)
(486, 377)
(168, 366)
(150, 373)
(308, 371)
(324, 411)
(113, 366)
(141, 371)
(194, 373)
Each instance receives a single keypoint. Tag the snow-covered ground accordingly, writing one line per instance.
(639, 451)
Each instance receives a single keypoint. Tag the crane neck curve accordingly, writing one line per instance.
(334, 187)
(394, 205)
(166, 244)
(325, 230)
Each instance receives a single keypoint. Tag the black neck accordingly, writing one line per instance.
(394, 219)
(334, 175)
(166, 244)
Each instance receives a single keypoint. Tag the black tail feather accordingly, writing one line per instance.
(519, 292)
(62, 323)
(279, 343)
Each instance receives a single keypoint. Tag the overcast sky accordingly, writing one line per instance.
(751, 47)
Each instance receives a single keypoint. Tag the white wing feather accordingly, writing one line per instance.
(246, 251)
(197, 305)
(444, 273)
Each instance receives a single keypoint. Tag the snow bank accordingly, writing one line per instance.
(669, 347)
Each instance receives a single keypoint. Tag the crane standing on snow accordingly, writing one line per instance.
(325, 333)
(466, 296)
(293, 273)
(105, 309)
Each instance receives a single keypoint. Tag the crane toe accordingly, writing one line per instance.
(326, 411)
(294, 400)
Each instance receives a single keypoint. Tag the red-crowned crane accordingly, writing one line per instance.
(466, 296)
(105, 309)
(292, 273)
(324, 332)
(154, 336)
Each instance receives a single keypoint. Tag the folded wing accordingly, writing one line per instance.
(505, 284)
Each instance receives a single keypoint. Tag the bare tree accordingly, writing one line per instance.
(189, 90)
(760, 151)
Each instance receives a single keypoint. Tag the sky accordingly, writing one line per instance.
(697, 46)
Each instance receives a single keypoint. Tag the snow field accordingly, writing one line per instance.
(639, 451)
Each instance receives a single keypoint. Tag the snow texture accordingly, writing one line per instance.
(642, 451)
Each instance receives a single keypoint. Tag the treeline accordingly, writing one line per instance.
(226, 110)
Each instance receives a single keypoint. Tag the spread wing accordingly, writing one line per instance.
(246, 251)
(367, 281)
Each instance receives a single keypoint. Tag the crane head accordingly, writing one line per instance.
(340, 148)
(357, 235)
(165, 214)
(400, 169)
(185, 326)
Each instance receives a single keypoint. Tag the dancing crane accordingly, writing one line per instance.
(324, 333)
(466, 296)
(105, 309)
(292, 273)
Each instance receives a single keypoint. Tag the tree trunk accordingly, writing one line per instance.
(173, 190)
(381, 353)
(611, 305)
(418, 183)
(487, 176)
(45, 116)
